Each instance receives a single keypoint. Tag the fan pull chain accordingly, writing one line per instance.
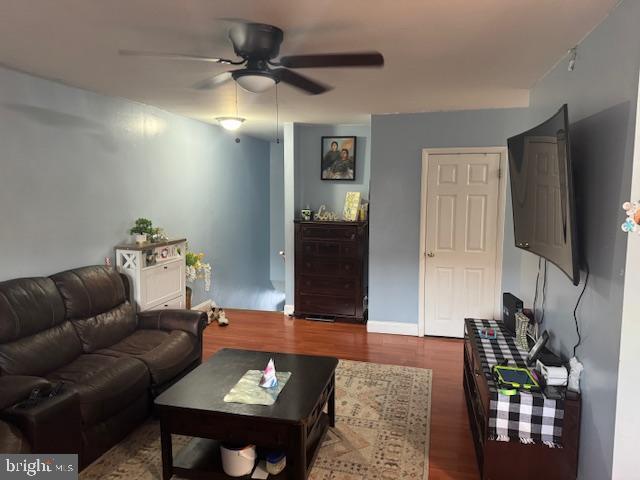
(277, 117)
(237, 115)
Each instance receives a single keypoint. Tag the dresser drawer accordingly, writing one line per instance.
(325, 305)
(161, 283)
(329, 249)
(174, 303)
(335, 268)
(341, 232)
(326, 285)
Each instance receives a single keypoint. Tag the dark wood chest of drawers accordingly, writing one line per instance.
(331, 270)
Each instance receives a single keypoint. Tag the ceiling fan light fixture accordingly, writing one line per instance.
(254, 82)
(230, 123)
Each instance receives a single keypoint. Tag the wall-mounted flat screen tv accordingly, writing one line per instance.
(542, 193)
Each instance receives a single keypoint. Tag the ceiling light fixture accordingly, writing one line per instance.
(254, 81)
(231, 123)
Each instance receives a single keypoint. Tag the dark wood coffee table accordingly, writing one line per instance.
(295, 424)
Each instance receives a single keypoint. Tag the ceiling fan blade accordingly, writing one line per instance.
(300, 81)
(213, 82)
(234, 20)
(363, 59)
(174, 56)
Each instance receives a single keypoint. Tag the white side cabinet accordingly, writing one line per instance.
(156, 272)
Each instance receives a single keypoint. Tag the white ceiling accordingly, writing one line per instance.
(440, 54)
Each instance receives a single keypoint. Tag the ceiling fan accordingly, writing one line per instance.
(258, 45)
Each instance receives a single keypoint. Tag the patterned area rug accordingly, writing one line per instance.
(382, 431)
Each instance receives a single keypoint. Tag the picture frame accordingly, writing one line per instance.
(338, 158)
(351, 206)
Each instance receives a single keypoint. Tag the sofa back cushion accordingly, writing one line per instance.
(28, 306)
(42, 352)
(95, 302)
(89, 291)
(106, 329)
(35, 337)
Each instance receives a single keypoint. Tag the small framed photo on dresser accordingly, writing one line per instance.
(338, 159)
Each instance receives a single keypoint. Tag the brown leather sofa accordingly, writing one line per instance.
(78, 327)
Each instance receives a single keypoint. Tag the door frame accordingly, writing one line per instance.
(502, 194)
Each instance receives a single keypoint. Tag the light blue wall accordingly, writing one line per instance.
(397, 143)
(601, 94)
(276, 208)
(313, 191)
(76, 169)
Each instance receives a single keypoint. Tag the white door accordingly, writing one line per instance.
(461, 236)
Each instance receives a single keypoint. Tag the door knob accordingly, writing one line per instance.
(431, 254)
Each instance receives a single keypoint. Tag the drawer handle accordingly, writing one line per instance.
(165, 267)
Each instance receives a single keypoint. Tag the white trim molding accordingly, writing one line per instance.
(205, 306)
(394, 328)
(502, 195)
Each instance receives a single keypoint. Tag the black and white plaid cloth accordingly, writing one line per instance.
(525, 417)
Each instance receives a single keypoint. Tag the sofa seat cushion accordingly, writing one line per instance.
(166, 354)
(105, 384)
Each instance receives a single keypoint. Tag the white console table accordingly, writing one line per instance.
(156, 272)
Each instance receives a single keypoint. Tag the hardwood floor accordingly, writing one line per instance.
(451, 453)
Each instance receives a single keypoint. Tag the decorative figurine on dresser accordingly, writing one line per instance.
(156, 272)
(331, 261)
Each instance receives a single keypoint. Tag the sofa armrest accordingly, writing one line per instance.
(190, 321)
(12, 440)
(53, 425)
(15, 388)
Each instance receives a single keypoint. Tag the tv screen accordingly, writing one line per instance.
(542, 193)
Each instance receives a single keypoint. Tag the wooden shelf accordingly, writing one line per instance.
(200, 460)
(331, 222)
(148, 245)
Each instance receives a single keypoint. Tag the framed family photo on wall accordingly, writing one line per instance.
(338, 159)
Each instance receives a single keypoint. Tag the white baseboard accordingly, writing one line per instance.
(205, 306)
(394, 328)
(288, 310)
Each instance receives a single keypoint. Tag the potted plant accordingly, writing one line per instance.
(141, 229)
(196, 270)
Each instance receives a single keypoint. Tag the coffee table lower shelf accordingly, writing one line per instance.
(200, 458)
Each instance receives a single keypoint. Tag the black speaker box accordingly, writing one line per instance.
(510, 306)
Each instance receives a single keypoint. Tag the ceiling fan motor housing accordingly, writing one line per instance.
(256, 40)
